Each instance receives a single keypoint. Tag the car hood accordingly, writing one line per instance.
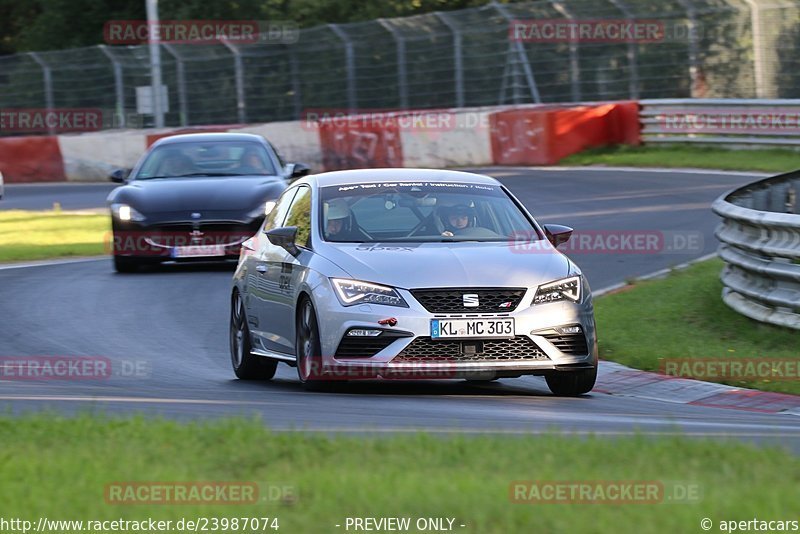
(419, 265)
(180, 194)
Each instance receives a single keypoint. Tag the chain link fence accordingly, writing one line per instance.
(705, 48)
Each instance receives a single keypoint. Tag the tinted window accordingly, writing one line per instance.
(220, 158)
(300, 216)
(421, 211)
(276, 217)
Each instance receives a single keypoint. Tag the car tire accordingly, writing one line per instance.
(125, 264)
(572, 383)
(246, 366)
(308, 349)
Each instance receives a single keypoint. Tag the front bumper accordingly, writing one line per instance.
(537, 348)
(160, 242)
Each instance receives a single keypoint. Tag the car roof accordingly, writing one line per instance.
(361, 176)
(208, 138)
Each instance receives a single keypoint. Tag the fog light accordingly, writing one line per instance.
(570, 329)
(363, 332)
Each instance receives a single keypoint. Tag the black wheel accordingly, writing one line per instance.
(126, 264)
(572, 383)
(246, 366)
(307, 347)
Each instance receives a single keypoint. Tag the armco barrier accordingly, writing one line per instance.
(545, 135)
(31, 159)
(528, 135)
(721, 121)
(760, 244)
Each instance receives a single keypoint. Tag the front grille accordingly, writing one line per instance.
(569, 343)
(365, 346)
(213, 233)
(426, 350)
(493, 300)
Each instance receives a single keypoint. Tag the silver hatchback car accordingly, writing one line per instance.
(410, 274)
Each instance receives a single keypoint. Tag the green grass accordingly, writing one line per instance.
(35, 235)
(58, 468)
(768, 160)
(683, 316)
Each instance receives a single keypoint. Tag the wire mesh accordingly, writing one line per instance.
(709, 49)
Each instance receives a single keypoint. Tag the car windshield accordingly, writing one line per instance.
(212, 159)
(421, 212)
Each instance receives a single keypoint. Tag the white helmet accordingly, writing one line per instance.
(337, 209)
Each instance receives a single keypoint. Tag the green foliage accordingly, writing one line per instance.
(35, 25)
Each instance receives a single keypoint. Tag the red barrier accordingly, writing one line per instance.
(545, 135)
(31, 159)
(356, 144)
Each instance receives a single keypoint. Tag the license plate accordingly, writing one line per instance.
(195, 251)
(472, 328)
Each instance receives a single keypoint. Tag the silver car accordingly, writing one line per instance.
(410, 273)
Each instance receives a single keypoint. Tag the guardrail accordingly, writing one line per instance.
(760, 245)
(721, 121)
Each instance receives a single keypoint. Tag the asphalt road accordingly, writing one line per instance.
(71, 196)
(166, 334)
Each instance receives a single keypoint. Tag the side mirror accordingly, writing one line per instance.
(284, 237)
(297, 170)
(557, 234)
(119, 176)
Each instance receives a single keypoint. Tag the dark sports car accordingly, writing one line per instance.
(195, 197)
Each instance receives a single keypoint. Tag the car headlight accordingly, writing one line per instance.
(352, 292)
(125, 213)
(262, 209)
(564, 289)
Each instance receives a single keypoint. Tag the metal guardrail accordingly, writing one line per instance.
(721, 121)
(760, 245)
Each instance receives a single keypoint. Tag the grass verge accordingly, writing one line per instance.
(59, 468)
(36, 235)
(768, 160)
(683, 316)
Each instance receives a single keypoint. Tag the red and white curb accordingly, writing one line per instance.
(617, 379)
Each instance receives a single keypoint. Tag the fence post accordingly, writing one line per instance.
(523, 57)
(155, 62)
(241, 105)
(458, 58)
(694, 64)
(47, 75)
(758, 49)
(574, 58)
(633, 53)
(350, 66)
(118, 86)
(297, 97)
(402, 79)
(181, 75)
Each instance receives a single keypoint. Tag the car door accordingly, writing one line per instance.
(259, 264)
(282, 275)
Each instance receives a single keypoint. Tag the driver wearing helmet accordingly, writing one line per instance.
(457, 218)
(339, 222)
